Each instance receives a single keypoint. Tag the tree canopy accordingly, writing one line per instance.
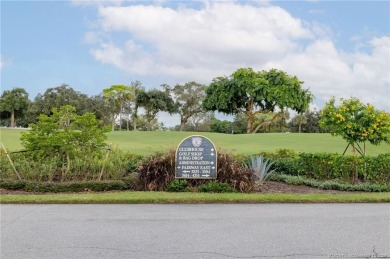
(56, 97)
(356, 122)
(12, 101)
(137, 89)
(249, 92)
(188, 99)
(154, 101)
(120, 96)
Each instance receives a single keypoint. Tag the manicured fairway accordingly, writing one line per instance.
(141, 142)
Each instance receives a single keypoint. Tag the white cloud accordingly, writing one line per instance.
(329, 72)
(200, 44)
(91, 38)
(1, 62)
(130, 57)
(216, 39)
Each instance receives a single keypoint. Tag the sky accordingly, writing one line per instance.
(338, 48)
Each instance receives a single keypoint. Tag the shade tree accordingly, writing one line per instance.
(56, 97)
(188, 100)
(137, 89)
(251, 93)
(153, 102)
(14, 101)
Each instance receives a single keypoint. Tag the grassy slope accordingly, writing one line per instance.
(164, 197)
(149, 142)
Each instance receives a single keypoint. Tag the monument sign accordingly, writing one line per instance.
(196, 158)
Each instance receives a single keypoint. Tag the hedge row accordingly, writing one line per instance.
(325, 166)
(63, 187)
(330, 185)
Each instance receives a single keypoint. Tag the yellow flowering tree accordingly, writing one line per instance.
(356, 122)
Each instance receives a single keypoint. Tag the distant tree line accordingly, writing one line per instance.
(260, 101)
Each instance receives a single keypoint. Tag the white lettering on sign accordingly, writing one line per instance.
(194, 162)
(191, 149)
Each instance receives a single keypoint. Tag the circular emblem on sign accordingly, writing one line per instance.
(196, 141)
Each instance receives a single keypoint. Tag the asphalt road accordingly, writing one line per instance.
(196, 231)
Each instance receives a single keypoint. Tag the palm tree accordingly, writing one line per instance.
(299, 120)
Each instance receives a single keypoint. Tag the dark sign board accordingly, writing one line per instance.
(196, 158)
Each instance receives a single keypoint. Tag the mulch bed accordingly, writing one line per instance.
(266, 187)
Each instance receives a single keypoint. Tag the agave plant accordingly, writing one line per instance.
(261, 167)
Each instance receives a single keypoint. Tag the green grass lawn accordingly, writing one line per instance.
(165, 197)
(141, 142)
(11, 138)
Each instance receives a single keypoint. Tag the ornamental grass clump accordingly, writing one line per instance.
(234, 173)
(158, 171)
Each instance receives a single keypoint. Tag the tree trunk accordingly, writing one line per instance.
(364, 148)
(250, 115)
(135, 115)
(120, 119)
(300, 127)
(135, 120)
(149, 125)
(257, 128)
(355, 172)
(182, 124)
(12, 119)
(113, 124)
(183, 121)
(249, 126)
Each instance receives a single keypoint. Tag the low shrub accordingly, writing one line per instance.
(290, 166)
(178, 186)
(317, 166)
(63, 187)
(377, 169)
(217, 187)
(281, 153)
(278, 154)
(132, 181)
